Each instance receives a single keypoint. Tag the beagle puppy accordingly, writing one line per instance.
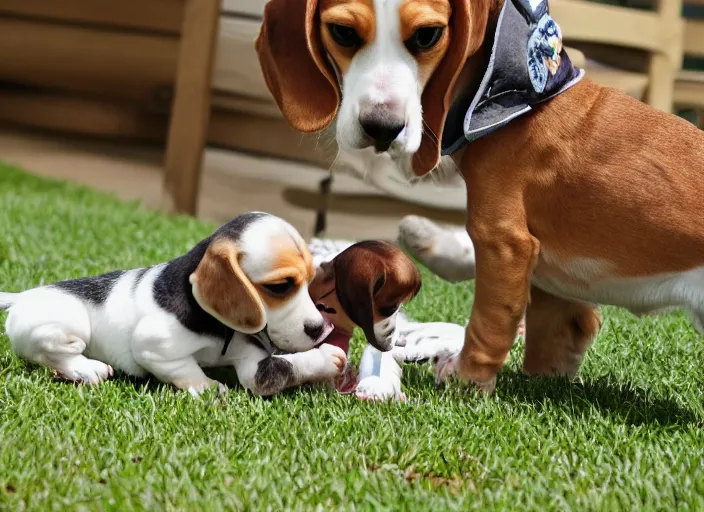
(365, 285)
(234, 299)
(577, 195)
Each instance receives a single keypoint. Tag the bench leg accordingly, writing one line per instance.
(190, 112)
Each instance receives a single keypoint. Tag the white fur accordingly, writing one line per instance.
(382, 72)
(132, 333)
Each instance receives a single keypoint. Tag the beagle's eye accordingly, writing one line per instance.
(424, 39)
(281, 288)
(344, 36)
(387, 312)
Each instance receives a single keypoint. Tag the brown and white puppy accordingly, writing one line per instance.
(246, 282)
(591, 197)
(365, 286)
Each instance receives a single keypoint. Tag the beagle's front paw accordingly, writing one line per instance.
(198, 387)
(334, 361)
(377, 389)
(446, 367)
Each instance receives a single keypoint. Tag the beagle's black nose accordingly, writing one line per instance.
(382, 123)
(314, 330)
(382, 134)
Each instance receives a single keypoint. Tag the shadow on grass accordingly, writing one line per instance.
(625, 401)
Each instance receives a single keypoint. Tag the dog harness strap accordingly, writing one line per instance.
(527, 66)
(228, 339)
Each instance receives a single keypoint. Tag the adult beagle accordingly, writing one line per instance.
(234, 299)
(577, 195)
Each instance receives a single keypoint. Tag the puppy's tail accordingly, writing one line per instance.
(7, 299)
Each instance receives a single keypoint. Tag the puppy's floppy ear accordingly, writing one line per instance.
(359, 275)
(223, 290)
(294, 64)
(467, 31)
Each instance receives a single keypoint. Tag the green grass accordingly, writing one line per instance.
(627, 435)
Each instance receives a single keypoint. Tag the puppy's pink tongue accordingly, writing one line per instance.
(327, 330)
(339, 338)
(346, 382)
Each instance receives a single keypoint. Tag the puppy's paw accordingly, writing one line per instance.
(88, 371)
(446, 369)
(197, 387)
(334, 360)
(377, 389)
(420, 342)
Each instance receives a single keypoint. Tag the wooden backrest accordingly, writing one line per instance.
(694, 38)
(658, 31)
(165, 16)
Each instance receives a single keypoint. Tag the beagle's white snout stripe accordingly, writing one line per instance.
(381, 91)
(171, 319)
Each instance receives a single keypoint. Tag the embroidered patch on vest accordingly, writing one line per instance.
(544, 49)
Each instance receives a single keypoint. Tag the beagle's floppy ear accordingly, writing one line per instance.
(468, 25)
(294, 64)
(373, 274)
(359, 275)
(223, 290)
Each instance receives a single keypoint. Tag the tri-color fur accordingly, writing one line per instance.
(205, 308)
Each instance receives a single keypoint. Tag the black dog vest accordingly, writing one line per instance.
(528, 66)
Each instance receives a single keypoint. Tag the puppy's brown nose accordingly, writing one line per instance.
(314, 329)
(382, 123)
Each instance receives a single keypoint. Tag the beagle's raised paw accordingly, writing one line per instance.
(447, 252)
(334, 361)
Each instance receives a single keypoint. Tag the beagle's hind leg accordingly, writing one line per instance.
(63, 352)
(558, 333)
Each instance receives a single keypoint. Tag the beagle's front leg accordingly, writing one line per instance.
(265, 375)
(506, 254)
(379, 376)
(168, 360)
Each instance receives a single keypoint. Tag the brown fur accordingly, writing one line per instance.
(589, 174)
(225, 289)
(366, 278)
(294, 264)
(575, 179)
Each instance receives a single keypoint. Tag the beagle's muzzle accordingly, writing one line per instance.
(250, 277)
(381, 67)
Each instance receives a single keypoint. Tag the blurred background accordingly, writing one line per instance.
(163, 101)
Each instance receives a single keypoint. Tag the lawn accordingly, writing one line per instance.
(627, 434)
